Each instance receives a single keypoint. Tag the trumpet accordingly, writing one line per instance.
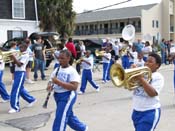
(79, 60)
(99, 53)
(5, 55)
(127, 78)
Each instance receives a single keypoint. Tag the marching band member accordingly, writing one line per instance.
(139, 62)
(146, 103)
(19, 78)
(111, 61)
(65, 85)
(87, 65)
(133, 55)
(146, 50)
(106, 57)
(125, 56)
(3, 92)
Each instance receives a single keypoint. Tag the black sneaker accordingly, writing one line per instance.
(44, 79)
(35, 79)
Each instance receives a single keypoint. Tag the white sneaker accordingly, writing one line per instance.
(5, 101)
(11, 111)
(80, 93)
(98, 89)
(29, 81)
(86, 128)
(103, 81)
(32, 103)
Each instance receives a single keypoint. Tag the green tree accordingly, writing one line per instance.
(57, 15)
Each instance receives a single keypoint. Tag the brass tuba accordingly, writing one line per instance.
(126, 78)
(99, 53)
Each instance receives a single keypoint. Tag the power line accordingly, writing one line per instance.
(104, 7)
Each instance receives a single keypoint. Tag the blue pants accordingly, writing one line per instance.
(146, 120)
(39, 65)
(125, 62)
(163, 57)
(110, 64)
(87, 76)
(18, 90)
(3, 91)
(105, 71)
(64, 114)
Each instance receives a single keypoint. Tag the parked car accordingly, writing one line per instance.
(48, 38)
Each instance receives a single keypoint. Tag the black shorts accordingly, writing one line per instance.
(29, 64)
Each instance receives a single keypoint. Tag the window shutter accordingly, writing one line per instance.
(9, 34)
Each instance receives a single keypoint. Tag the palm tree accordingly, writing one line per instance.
(57, 15)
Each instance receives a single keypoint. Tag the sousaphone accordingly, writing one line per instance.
(128, 33)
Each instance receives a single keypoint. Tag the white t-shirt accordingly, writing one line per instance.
(56, 53)
(87, 66)
(30, 54)
(139, 63)
(134, 54)
(108, 55)
(146, 50)
(116, 48)
(24, 58)
(142, 101)
(83, 49)
(68, 74)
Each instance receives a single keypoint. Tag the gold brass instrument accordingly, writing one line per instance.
(52, 50)
(99, 53)
(5, 55)
(79, 60)
(126, 78)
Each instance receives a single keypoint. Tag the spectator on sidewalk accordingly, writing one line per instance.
(39, 58)
(29, 64)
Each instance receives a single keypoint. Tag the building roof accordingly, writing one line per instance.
(112, 14)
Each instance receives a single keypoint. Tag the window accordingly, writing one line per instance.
(16, 33)
(18, 9)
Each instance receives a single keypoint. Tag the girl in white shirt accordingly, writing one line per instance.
(146, 102)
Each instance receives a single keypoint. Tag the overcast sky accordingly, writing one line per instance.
(81, 5)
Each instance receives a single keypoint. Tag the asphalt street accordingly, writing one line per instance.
(107, 110)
